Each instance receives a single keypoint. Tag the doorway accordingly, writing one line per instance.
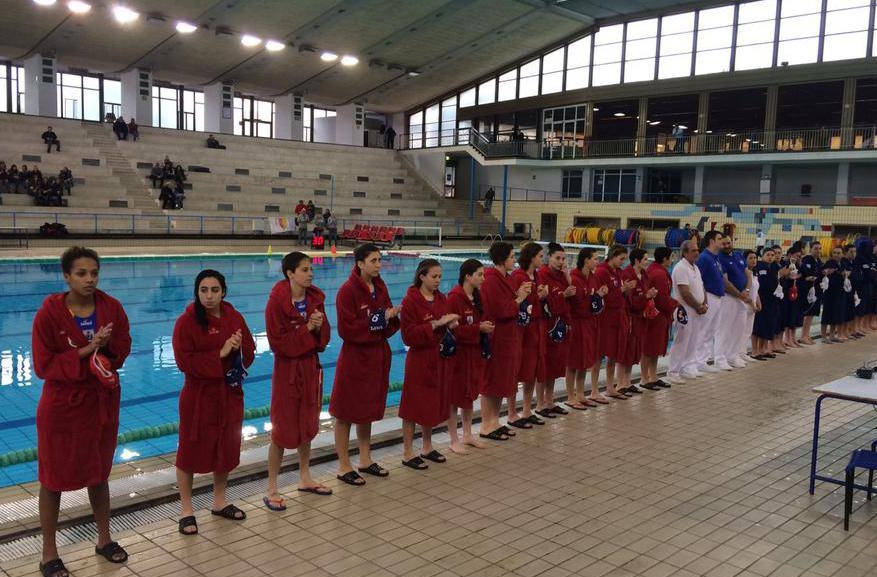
(548, 227)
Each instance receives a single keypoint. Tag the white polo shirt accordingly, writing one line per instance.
(685, 273)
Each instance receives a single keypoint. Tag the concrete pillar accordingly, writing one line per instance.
(641, 118)
(843, 183)
(699, 173)
(137, 96)
(848, 113)
(703, 111)
(40, 86)
(589, 119)
(349, 124)
(587, 183)
(219, 108)
(766, 185)
(770, 118)
(288, 117)
(638, 187)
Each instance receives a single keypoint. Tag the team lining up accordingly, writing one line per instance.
(529, 320)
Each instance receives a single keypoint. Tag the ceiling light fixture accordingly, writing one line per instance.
(249, 40)
(683, 127)
(78, 7)
(619, 115)
(596, 109)
(413, 73)
(44, 2)
(348, 60)
(185, 27)
(274, 45)
(328, 56)
(125, 15)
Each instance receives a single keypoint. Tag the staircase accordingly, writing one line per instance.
(137, 193)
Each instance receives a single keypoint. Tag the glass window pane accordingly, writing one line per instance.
(156, 121)
(91, 82)
(188, 101)
(577, 78)
(845, 46)
(677, 23)
(848, 20)
(677, 44)
(467, 98)
(639, 70)
(415, 128)
(91, 105)
(609, 34)
(578, 57)
(113, 91)
(529, 79)
(168, 93)
(508, 85)
(713, 61)
(716, 17)
(4, 103)
(714, 38)
(199, 116)
(263, 129)
(637, 49)
(607, 56)
(431, 125)
(642, 29)
(800, 51)
(487, 92)
(605, 74)
(755, 34)
(168, 114)
(674, 66)
(804, 26)
(552, 82)
(799, 7)
(553, 61)
(755, 56)
(757, 11)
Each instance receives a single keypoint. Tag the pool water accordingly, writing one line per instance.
(154, 292)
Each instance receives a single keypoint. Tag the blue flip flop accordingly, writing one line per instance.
(270, 504)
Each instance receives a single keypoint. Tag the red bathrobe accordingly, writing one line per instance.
(613, 323)
(362, 375)
(556, 354)
(297, 381)
(498, 296)
(532, 365)
(464, 372)
(424, 390)
(211, 412)
(658, 329)
(583, 329)
(636, 304)
(77, 417)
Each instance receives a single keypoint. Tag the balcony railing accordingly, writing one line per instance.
(773, 141)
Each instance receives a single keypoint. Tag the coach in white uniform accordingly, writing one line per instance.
(713, 276)
(688, 291)
(729, 345)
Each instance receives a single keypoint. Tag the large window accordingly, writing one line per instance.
(639, 50)
(449, 121)
(756, 24)
(487, 92)
(431, 125)
(529, 85)
(677, 42)
(563, 131)
(467, 98)
(78, 96)
(112, 98)
(508, 85)
(715, 29)
(165, 107)
(11, 90)
(607, 55)
(799, 32)
(309, 113)
(571, 183)
(552, 71)
(846, 29)
(415, 130)
(193, 110)
(614, 186)
(253, 117)
(578, 64)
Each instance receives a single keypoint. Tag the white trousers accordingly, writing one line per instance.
(732, 323)
(745, 337)
(685, 340)
(709, 323)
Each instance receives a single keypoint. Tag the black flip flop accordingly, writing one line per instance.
(189, 521)
(496, 435)
(230, 512)
(269, 503)
(522, 423)
(54, 568)
(415, 463)
(547, 413)
(651, 386)
(434, 456)
(535, 420)
(110, 552)
(663, 384)
(507, 431)
(374, 469)
(558, 410)
(318, 490)
(352, 478)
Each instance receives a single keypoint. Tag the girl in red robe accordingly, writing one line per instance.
(502, 306)
(613, 324)
(295, 320)
(556, 275)
(638, 306)
(425, 402)
(212, 348)
(657, 333)
(464, 371)
(583, 355)
(532, 366)
(366, 320)
(80, 339)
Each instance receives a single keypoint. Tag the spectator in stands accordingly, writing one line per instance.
(391, 137)
(301, 221)
(37, 175)
(65, 177)
(120, 128)
(488, 198)
(319, 223)
(4, 176)
(311, 210)
(109, 118)
(157, 175)
(34, 187)
(133, 129)
(179, 175)
(50, 138)
(12, 178)
(166, 196)
(213, 143)
(179, 196)
(331, 226)
(168, 165)
(23, 177)
(300, 207)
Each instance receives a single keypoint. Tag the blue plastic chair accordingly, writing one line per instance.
(860, 459)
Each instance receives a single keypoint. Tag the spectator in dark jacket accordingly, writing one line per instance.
(312, 210)
(179, 175)
(133, 129)
(23, 177)
(213, 143)
(12, 178)
(65, 178)
(4, 176)
(120, 128)
(50, 138)
(391, 137)
(157, 175)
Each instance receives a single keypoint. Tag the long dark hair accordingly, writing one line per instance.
(423, 268)
(584, 255)
(468, 268)
(200, 311)
(527, 254)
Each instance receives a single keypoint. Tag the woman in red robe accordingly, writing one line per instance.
(80, 339)
(638, 307)
(464, 371)
(502, 304)
(657, 333)
(212, 348)
(366, 320)
(532, 366)
(613, 325)
(555, 324)
(425, 402)
(295, 320)
(583, 355)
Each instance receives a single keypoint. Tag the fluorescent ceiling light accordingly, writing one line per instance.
(274, 46)
(249, 40)
(655, 122)
(124, 15)
(328, 56)
(185, 27)
(413, 73)
(348, 60)
(619, 115)
(44, 2)
(596, 109)
(683, 127)
(78, 7)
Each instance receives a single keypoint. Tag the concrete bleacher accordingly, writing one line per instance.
(251, 179)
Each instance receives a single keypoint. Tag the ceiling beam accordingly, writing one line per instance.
(551, 6)
(45, 37)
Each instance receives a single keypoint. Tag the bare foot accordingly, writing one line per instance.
(473, 442)
(458, 448)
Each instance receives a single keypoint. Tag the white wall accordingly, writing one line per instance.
(789, 178)
(324, 129)
(430, 165)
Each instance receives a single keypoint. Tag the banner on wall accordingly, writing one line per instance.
(281, 224)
